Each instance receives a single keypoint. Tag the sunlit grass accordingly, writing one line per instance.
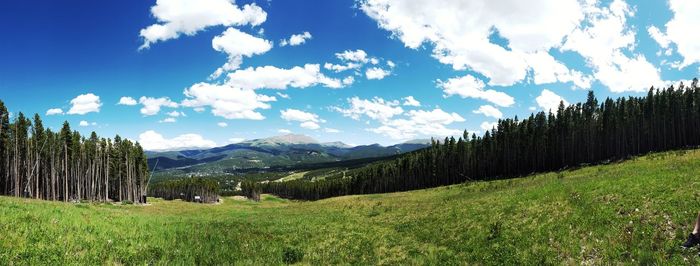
(634, 212)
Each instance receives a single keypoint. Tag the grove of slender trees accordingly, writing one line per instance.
(574, 135)
(188, 189)
(36, 162)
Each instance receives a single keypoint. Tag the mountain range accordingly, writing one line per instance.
(277, 151)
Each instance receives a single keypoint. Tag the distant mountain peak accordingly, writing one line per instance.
(337, 144)
(284, 140)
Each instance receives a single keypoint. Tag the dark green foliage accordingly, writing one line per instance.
(291, 255)
(579, 134)
(186, 189)
(38, 163)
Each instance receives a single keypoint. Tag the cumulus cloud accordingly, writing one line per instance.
(127, 101)
(151, 106)
(237, 44)
(464, 43)
(296, 39)
(85, 103)
(376, 73)
(227, 101)
(308, 120)
(410, 101)
(605, 43)
(420, 123)
(487, 126)
(470, 87)
(84, 123)
(271, 77)
(680, 29)
(549, 101)
(168, 120)
(222, 124)
(489, 111)
(177, 17)
(176, 114)
(54, 111)
(358, 56)
(376, 108)
(153, 141)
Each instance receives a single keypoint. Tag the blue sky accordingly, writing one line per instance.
(464, 63)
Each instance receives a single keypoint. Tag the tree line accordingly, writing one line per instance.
(574, 135)
(187, 189)
(38, 163)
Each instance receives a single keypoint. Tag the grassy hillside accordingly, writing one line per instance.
(634, 212)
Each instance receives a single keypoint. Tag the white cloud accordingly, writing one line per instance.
(308, 120)
(377, 108)
(460, 36)
(126, 101)
(549, 101)
(310, 125)
(349, 80)
(376, 73)
(420, 123)
(358, 56)
(54, 111)
(282, 95)
(296, 39)
(331, 130)
(284, 131)
(227, 101)
(340, 68)
(151, 106)
(659, 37)
(237, 44)
(546, 69)
(84, 123)
(410, 101)
(271, 77)
(681, 30)
(470, 87)
(168, 120)
(489, 111)
(487, 126)
(176, 114)
(176, 17)
(153, 141)
(605, 42)
(85, 103)
(222, 124)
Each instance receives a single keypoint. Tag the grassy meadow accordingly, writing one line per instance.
(634, 212)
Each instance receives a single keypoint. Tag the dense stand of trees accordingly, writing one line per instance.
(582, 133)
(38, 163)
(186, 189)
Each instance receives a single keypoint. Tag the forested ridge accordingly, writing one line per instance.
(187, 189)
(38, 163)
(582, 133)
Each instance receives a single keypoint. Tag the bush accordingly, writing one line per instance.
(291, 255)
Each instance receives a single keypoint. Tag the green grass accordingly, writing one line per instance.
(636, 212)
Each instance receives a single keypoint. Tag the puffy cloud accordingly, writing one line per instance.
(377, 108)
(470, 87)
(151, 106)
(420, 123)
(487, 126)
(237, 44)
(331, 130)
(340, 68)
(358, 56)
(376, 73)
(680, 30)
(308, 120)
(659, 37)
(296, 39)
(176, 17)
(153, 141)
(271, 77)
(282, 95)
(605, 42)
(168, 120)
(85, 103)
(528, 27)
(54, 111)
(546, 69)
(176, 114)
(410, 101)
(222, 124)
(549, 101)
(227, 101)
(127, 101)
(84, 123)
(489, 111)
